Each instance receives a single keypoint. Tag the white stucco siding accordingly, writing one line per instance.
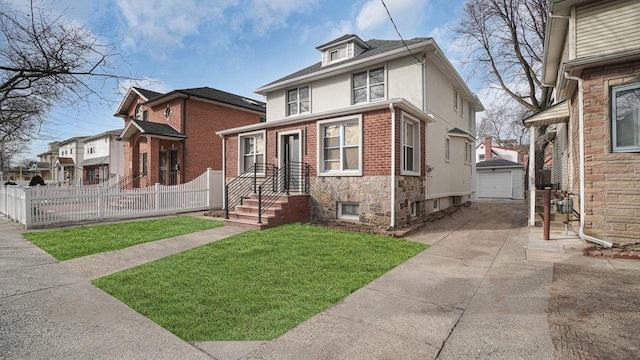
(607, 28)
(276, 105)
(116, 157)
(331, 93)
(100, 148)
(404, 80)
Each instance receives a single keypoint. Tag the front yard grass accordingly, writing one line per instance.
(256, 285)
(65, 244)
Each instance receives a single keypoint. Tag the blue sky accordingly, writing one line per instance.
(232, 45)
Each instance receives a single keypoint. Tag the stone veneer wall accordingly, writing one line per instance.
(409, 189)
(612, 180)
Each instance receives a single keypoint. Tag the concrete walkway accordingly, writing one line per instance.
(480, 291)
(50, 309)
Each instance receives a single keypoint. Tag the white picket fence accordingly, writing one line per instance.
(42, 206)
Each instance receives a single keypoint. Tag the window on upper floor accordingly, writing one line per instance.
(340, 146)
(461, 106)
(481, 157)
(471, 117)
(252, 151)
(368, 85)
(447, 149)
(338, 54)
(455, 99)
(298, 101)
(410, 146)
(625, 118)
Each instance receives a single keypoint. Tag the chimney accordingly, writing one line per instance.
(487, 148)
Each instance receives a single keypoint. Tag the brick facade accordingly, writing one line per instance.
(371, 190)
(612, 180)
(198, 120)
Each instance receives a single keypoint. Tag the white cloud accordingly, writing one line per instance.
(407, 14)
(161, 25)
(267, 15)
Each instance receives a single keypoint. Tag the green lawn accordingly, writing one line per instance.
(65, 244)
(256, 285)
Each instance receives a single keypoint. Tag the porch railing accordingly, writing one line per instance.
(244, 185)
(293, 176)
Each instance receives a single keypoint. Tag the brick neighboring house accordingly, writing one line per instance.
(592, 58)
(384, 128)
(170, 138)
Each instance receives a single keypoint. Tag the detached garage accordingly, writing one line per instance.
(499, 178)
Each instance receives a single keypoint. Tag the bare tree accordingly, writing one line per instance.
(503, 123)
(45, 60)
(506, 39)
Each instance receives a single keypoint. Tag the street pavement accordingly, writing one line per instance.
(480, 291)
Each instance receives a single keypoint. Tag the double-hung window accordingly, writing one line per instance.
(298, 100)
(410, 145)
(447, 149)
(368, 86)
(340, 146)
(625, 118)
(252, 151)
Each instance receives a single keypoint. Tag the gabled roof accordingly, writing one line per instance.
(132, 94)
(116, 132)
(152, 129)
(494, 162)
(104, 160)
(70, 140)
(343, 39)
(208, 93)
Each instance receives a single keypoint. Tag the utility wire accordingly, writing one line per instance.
(398, 32)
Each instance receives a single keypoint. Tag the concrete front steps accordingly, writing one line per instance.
(286, 209)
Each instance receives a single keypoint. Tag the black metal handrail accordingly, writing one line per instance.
(293, 176)
(241, 187)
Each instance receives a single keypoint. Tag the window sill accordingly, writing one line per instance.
(340, 173)
(409, 173)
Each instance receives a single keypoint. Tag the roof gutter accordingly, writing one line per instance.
(581, 233)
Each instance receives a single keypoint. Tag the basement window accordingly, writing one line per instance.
(349, 211)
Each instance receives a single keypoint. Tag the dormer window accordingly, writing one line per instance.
(338, 54)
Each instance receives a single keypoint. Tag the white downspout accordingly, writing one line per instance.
(581, 233)
(393, 165)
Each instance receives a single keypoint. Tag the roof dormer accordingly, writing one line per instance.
(342, 48)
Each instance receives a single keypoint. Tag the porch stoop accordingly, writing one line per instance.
(286, 209)
(557, 219)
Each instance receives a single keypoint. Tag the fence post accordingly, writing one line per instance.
(28, 209)
(100, 201)
(255, 176)
(157, 197)
(260, 204)
(209, 188)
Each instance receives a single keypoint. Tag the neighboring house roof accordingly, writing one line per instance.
(97, 161)
(210, 94)
(495, 163)
(116, 132)
(552, 115)
(150, 128)
(65, 161)
(70, 140)
(132, 96)
(40, 165)
(49, 152)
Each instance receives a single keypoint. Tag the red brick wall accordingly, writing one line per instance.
(202, 148)
(612, 180)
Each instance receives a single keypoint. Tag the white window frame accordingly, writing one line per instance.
(461, 106)
(320, 153)
(348, 216)
(612, 121)
(406, 119)
(447, 149)
(297, 101)
(481, 157)
(471, 117)
(241, 154)
(368, 86)
(455, 100)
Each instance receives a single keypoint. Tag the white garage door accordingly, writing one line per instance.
(494, 184)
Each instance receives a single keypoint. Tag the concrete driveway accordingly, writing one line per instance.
(480, 291)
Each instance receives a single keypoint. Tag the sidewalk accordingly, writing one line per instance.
(50, 310)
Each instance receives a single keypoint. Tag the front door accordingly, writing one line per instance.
(163, 168)
(173, 167)
(291, 160)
